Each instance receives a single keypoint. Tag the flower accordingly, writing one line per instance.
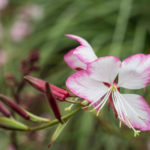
(3, 4)
(101, 81)
(79, 57)
(20, 30)
(32, 12)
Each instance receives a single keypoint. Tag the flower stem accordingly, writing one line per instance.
(56, 121)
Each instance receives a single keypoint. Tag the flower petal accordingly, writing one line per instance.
(135, 72)
(83, 86)
(133, 110)
(104, 69)
(80, 56)
(73, 61)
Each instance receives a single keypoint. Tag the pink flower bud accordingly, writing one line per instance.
(38, 84)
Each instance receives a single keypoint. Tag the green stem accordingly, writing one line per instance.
(53, 122)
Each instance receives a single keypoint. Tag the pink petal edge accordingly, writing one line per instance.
(81, 55)
(83, 86)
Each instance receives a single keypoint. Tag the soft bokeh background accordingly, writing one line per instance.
(113, 27)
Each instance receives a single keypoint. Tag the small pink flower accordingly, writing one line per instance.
(20, 30)
(32, 11)
(3, 4)
(79, 57)
(101, 80)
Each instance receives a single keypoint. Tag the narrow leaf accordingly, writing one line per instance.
(57, 132)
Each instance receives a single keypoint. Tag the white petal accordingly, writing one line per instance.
(83, 86)
(73, 61)
(104, 69)
(135, 72)
(132, 110)
(80, 56)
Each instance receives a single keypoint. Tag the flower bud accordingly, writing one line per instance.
(4, 110)
(34, 56)
(38, 84)
(14, 106)
(52, 102)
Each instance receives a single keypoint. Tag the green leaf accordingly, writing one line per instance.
(57, 132)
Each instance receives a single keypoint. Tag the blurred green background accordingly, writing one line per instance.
(113, 27)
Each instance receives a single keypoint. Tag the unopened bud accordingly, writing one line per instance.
(52, 102)
(14, 106)
(4, 110)
(38, 84)
(34, 56)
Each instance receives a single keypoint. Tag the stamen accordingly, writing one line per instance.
(120, 115)
(70, 106)
(94, 102)
(128, 122)
(141, 118)
(120, 124)
(98, 99)
(103, 102)
(127, 104)
(137, 133)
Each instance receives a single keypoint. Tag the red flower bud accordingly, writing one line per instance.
(52, 101)
(38, 84)
(4, 110)
(34, 56)
(14, 106)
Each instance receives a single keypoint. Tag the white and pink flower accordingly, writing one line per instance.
(100, 79)
(79, 57)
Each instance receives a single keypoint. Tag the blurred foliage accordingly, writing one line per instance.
(113, 27)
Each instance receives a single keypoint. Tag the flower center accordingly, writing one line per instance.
(113, 88)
